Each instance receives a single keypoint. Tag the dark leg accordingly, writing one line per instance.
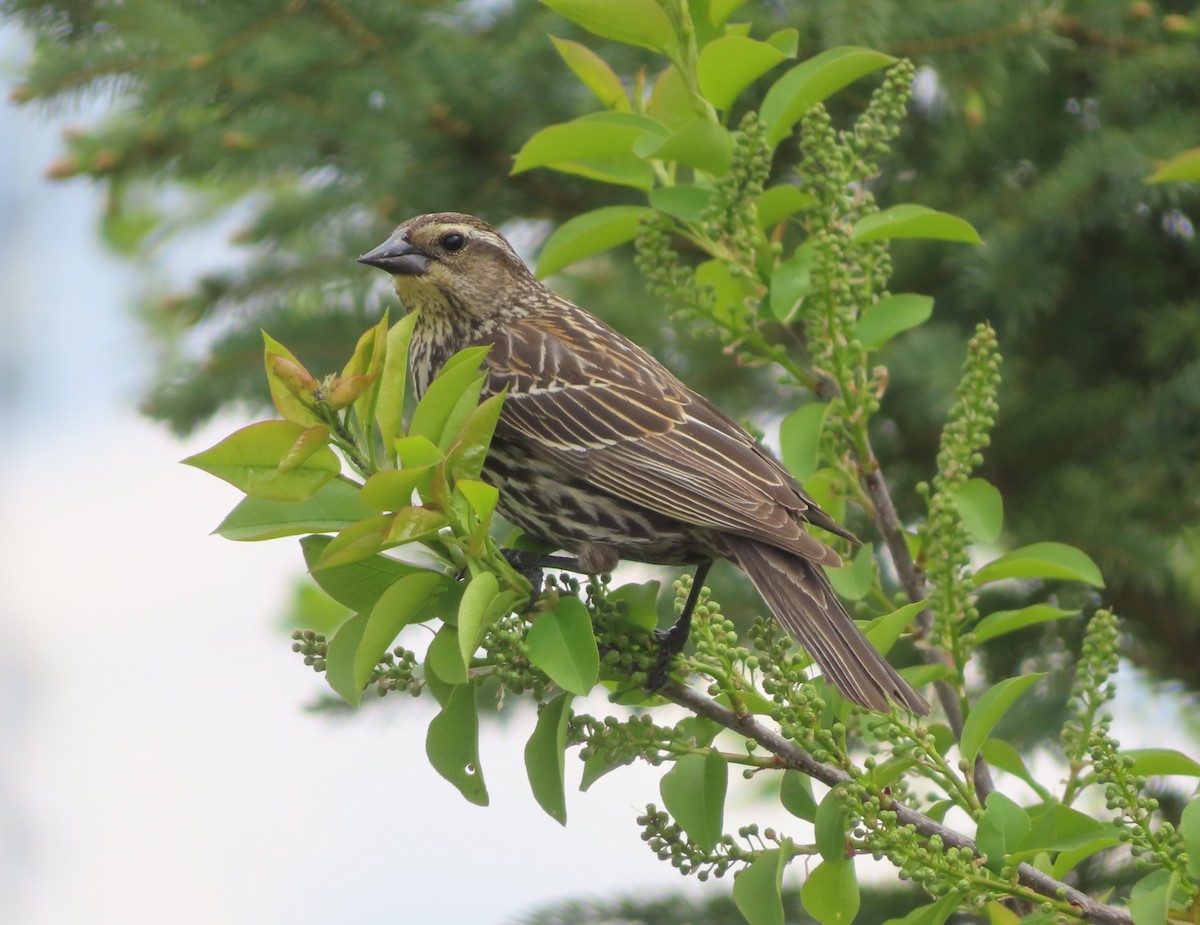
(672, 641)
(531, 565)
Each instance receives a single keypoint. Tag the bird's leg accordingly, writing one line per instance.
(531, 565)
(672, 641)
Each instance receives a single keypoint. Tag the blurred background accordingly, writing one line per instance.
(175, 177)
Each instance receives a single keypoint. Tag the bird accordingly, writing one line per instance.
(601, 452)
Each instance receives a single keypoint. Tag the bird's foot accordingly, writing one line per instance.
(670, 644)
(672, 641)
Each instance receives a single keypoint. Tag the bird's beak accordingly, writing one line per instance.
(397, 256)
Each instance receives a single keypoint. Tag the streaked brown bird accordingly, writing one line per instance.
(600, 451)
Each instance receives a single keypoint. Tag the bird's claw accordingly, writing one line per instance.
(670, 643)
(529, 569)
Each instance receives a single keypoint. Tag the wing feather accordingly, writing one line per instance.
(624, 424)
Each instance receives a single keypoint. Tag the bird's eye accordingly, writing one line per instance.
(453, 242)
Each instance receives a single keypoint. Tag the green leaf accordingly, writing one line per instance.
(355, 585)
(390, 490)
(389, 410)
(1161, 762)
(981, 508)
(586, 139)
(729, 291)
(1151, 905)
(830, 827)
(913, 221)
(443, 658)
(998, 914)
(482, 497)
(290, 383)
(1008, 621)
(757, 888)
(545, 757)
(452, 744)
(796, 795)
(1043, 560)
(693, 792)
(990, 709)
(563, 645)
(358, 541)
(883, 631)
(250, 459)
(1002, 827)
(1185, 167)
(830, 893)
(854, 579)
(827, 487)
(778, 202)
(697, 731)
(634, 22)
(791, 282)
(747, 701)
(340, 655)
(414, 452)
(641, 602)
(932, 914)
(469, 449)
(598, 765)
(887, 772)
(413, 523)
(590, 233)
(334, 506)
(1060, 828)
(403, 603)
(800, 439)
(1068, 860)
(367, 363)
(311, 441)
(815, 80)
(670, 102)
(480, 593)
(720, 10)
(728, 65)
(891, 315)
(594, 72)
(686, 203)
(454, 386)
(1004, 757)
(618, 170)
(1189, 830)
(786, 40)
(697, 143)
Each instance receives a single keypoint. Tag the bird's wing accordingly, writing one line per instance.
(584, 398)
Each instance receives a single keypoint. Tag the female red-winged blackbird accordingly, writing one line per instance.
(602, 452)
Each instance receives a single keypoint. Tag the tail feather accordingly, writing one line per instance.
(804, 602)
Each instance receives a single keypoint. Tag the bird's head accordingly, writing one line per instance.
(448, 261)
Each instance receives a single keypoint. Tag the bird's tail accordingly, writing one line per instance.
(804, 602)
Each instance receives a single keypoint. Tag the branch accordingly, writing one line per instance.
(791, 755)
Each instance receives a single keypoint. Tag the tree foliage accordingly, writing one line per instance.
(326, 122)
(318, 125)
(817, 262)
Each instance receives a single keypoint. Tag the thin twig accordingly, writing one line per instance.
(791, 755)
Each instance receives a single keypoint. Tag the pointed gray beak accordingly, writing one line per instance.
(397, 256)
